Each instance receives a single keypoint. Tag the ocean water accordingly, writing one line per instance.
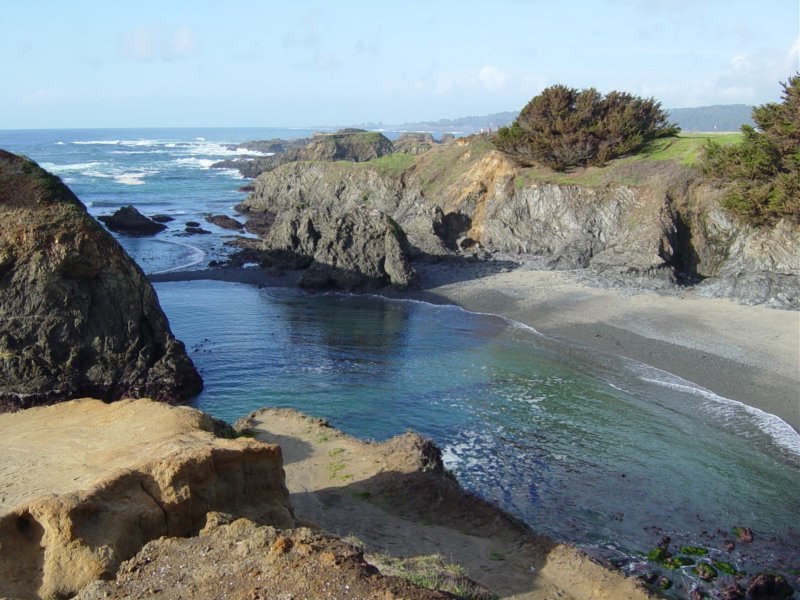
(593, 449)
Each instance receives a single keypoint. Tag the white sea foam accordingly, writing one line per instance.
(197, 257)
(70, 168)
(130, 178)
(133, 143)
(776, 428)
(193, 161)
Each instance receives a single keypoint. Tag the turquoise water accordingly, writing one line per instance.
(585, 448)
(590, 448)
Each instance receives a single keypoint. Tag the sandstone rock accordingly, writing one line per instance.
(130, 221)
(243, 561)
(90, 483)
(79, 318)
(355, 250)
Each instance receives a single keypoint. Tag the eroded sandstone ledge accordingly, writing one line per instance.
(86, 484)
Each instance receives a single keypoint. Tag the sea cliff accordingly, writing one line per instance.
(646, 223)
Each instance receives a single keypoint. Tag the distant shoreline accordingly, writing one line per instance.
(746, 353)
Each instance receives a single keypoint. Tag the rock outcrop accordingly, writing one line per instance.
(77, 316)
(661, 228)
(241, 561)
(87, 484)
(130, 221)
(357, 250)
(225, 222)
(414, 143)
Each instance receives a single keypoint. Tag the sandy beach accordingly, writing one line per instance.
(750, 354)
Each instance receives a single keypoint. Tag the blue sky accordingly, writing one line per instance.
(234, 63)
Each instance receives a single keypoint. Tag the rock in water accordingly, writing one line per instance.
(77, 316)
(130, 221)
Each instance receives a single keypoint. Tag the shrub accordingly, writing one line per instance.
(563, 127)
(764, 170)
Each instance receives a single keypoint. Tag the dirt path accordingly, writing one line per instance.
(382, 495)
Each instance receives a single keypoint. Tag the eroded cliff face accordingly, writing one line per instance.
(663, 228)
(88, 484)
(77, 315)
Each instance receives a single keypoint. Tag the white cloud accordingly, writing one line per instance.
(491, 78)
(146, 44)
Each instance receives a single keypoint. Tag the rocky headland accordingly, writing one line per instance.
(79, 317)
(639, 223)
(355, 145)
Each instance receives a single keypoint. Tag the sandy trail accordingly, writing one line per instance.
(379, 494)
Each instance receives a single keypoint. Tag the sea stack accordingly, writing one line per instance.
(77, 316)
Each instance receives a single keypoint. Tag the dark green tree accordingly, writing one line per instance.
(564, 127)
(764, 169)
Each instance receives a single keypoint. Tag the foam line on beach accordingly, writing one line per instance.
(776, 428)
(198, 257)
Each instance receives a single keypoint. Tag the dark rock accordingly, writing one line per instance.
(447, 138)
(162, 218)
(191, 230)
(192, 224)
(359, 250)
(79, 316)
(768, 586)
(732, 591)
(729, 545)
(130, 221)
(224, 221)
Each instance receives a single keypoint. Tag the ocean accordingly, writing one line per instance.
(593, 449)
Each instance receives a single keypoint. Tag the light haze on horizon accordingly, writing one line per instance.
(181, 63)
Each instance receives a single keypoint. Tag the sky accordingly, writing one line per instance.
(236, 63)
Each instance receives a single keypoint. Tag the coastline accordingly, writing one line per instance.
(750, 354)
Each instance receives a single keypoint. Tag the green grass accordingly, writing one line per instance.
(431, 572)
(686, 148)
(391, 164)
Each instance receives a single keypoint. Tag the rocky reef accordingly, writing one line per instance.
(81, 495)
(79, 317)
(648, 224)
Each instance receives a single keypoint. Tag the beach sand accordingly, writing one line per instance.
(746, 353)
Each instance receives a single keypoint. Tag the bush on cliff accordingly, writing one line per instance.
(564, 127)
(764, 170)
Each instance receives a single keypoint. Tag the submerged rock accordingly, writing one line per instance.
(130, 221)
(79, 317)
(224, 221)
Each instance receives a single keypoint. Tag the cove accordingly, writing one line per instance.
(583, 447)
